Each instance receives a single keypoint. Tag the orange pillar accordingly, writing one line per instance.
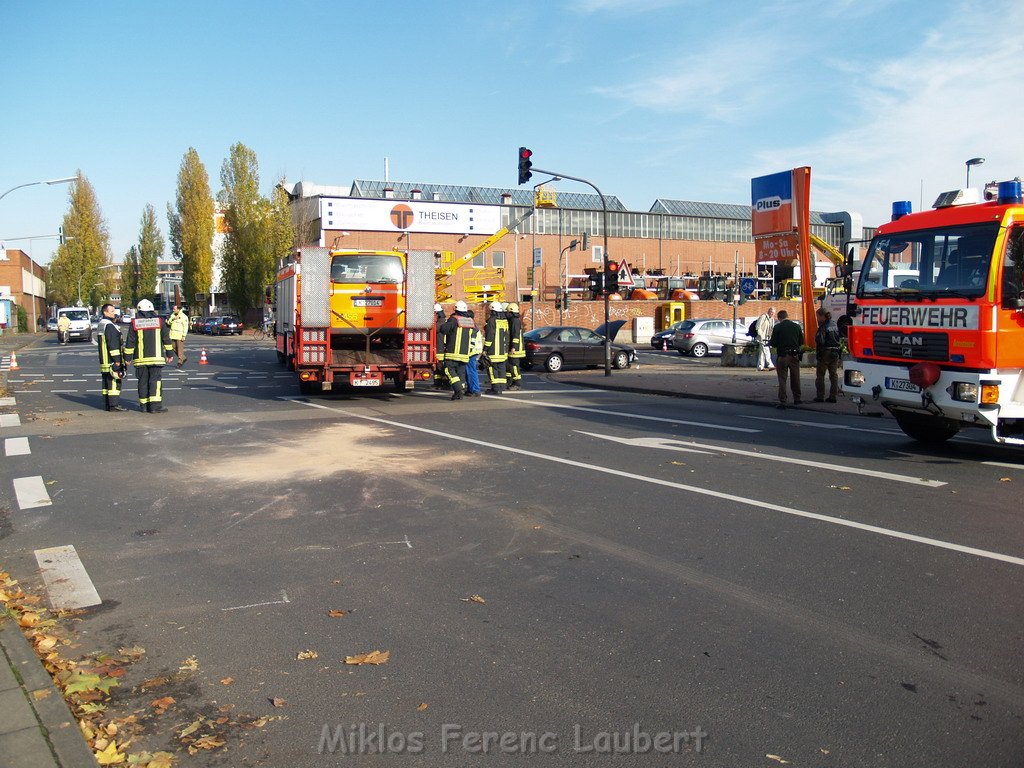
(802, 191)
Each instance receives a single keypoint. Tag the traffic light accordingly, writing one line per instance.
(60, 234)
(525, 164)
(596, 282)
(586, 242)
(611, 282)
(565, 300)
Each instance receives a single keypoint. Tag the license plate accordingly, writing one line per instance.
(901, 385)
(367, 302)
(365, 382)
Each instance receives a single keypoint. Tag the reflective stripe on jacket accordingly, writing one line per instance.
(178, 325)
(516, 347)
(149, 341)
(109, 344)
(496, 337)
(458, 330)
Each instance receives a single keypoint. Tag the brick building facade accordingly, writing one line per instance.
(24, 281)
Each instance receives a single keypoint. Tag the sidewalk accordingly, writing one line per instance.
(37, 729)
(709, 381)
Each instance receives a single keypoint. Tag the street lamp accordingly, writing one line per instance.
(82, 276)
(969, 163)
(65, 180)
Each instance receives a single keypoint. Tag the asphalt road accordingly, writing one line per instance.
(823, 592)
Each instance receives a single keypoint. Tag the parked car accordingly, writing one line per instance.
(658, 340)
(51, 324)
(558, 346)
(197, 324)
(126, 317)
(226, 325)
(699, 337)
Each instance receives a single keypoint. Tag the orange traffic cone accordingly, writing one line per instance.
(202, 357)
(664, 344)
(14, 363)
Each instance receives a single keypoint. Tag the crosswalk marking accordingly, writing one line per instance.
(10, 420)
(31, 492)
(16, 446)
(66, 579)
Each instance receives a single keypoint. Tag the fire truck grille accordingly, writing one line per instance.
(911, 345)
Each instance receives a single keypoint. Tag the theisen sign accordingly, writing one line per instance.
(409, 216)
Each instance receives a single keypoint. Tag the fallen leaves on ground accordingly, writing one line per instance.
(134, 653)
(307, 654)
(777, 759)
(162, 704)
(278, 702)
(373, 657)
(336, 614)
(473, 599)
(191, 664)
(151, 760)
(111, 755)
(204, 742)
(227, 680)
(422, 707)
(1005, 479)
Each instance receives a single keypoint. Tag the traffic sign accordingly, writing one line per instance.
(748, 285)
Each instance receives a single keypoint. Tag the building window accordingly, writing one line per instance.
(478, 260)
(597, 253)
(498, 259)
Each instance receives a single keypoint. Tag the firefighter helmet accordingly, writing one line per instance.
(513, 307)
(438, 308)
(145, 306)
(497, 306)
(460, 306)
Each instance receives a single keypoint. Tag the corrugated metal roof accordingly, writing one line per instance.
(455, 193)
(713, 210)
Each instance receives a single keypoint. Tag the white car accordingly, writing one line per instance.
(81, 323)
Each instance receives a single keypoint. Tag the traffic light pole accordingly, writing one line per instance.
(604, 226)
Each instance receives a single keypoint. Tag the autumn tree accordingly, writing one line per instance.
(130, 278)
(76, 267)
(151, 249)
(259, 230)
(191, 227)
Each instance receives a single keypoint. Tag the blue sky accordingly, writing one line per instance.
(681, 99)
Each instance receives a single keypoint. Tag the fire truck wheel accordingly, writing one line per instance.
(925, 429)
(281, 358)
(307, 387)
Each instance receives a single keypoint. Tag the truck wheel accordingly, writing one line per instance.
(925, 429)
(308, 387)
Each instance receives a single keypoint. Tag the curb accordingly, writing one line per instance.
(58, 724)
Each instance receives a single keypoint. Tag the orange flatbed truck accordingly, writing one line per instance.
(355, 317)
(942, 349)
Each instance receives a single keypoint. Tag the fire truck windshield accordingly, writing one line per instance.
(366, 268)
(948, 261)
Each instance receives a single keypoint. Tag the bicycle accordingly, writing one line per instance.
(264, 331)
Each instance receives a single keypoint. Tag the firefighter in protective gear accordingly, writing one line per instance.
(496, 343)
(149, 347)
(112, 364)
(177, 324)
(458, 333)
(440, 378)
(516, 347)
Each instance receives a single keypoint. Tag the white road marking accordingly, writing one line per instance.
(403, 541)
(66, 579)
(1003, 464)
(284, 599)
(661, 419)
(31, 492)
(73, 381)
(10, 420)
(16, 446)
(63, 391)
(756, 503)
(6, 402)
(671, 445)
(826, 425)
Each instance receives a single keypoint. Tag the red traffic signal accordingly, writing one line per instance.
(525, 164)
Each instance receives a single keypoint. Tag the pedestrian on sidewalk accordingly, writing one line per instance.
(764, 326)
(177, 324)
(149, 347)
(787, 338)
(496, 347)
(827, 351)
(63, 327)
(112, 363)
(457, 333)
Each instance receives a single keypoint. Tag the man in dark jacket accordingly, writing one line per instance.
(112, 364)
(149, 347)
(827, 352)
(457, 331)
(787, 338)
(440, 379)
(516, 347)
(496, 343)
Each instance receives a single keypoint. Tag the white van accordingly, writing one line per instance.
(81, 325)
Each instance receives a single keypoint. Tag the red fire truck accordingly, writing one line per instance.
(942, 347)
(355, 317)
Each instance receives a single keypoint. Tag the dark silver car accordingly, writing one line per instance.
(699, 337)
